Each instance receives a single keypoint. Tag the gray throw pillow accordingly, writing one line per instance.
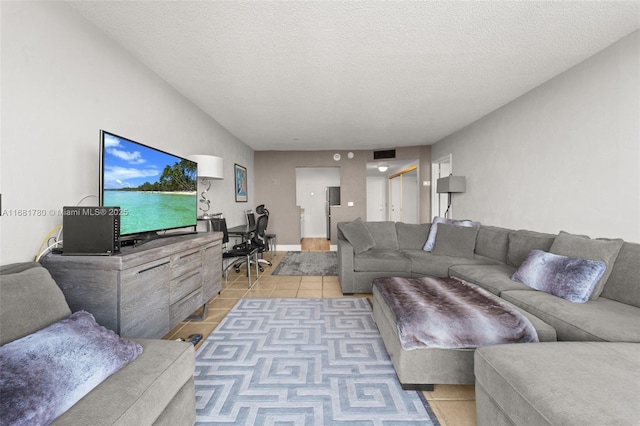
(433, 231)
(28, 284)
(453, 240)
(384, 234)
(411, 235)
(581, 246)
(571, 278)
(522, 242)
(358, 235)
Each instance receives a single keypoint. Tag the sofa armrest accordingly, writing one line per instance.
(140, 392)
(345, 265)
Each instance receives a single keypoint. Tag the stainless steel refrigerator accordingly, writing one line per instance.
(333, 199)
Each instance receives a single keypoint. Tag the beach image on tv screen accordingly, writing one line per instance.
(154, 189)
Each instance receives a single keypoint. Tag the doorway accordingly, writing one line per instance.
(311, 184)
(403, 195)
(392, 191)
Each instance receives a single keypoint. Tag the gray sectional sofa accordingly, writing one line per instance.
(502, 371)
(156, 388)
(498, 252)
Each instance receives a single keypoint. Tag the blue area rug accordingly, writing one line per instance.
(301, 362)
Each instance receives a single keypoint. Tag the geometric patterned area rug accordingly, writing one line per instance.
(301, 362)
(308, 263)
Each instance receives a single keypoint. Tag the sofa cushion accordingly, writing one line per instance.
(623, 283)
(601, 319)
(381, 260)
(358, 235)
(571, 278)
(493, 242)
(426, 263)
(26, 289)
(494, 278)
(433, 231)
(384, 234)
(521, 243)
(584, 247)
(411, 235)
(45, 373)
(555, 383)
(454, 240)
(139, 393)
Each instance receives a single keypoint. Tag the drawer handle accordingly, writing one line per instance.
(183, 279)
(142, 271)
(186, 256)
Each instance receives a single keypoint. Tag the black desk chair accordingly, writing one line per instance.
(251, 218)
(271, 238)
(258, 242)
(245, 253)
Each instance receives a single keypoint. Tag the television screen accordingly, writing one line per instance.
(154, 189)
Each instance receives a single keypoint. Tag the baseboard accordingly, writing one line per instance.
(289, 247)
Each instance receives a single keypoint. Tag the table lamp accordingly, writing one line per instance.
(209, 167)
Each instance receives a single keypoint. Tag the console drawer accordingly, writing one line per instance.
(182, 286)
(184, 262)
(185, 307)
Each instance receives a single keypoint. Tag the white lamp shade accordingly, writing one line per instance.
(451, 184)
(209, 166)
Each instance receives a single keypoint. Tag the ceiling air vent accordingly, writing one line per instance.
(381, 155)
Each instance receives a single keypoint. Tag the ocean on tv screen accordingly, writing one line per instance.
(144, 211)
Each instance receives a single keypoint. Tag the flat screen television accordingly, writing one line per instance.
(155, 190)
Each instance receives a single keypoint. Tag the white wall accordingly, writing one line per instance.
(565, 156)
(62, 81)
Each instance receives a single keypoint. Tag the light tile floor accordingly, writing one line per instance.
(454, 405)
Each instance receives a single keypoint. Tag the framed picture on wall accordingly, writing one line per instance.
(240, 174)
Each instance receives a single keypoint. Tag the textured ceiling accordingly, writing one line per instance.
(357, 75)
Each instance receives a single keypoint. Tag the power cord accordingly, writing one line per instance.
(49, 248)
(56, 240)
(46, 241)
(85, 197)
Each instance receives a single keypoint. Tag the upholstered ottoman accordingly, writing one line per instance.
(421, 367)
(562, 383)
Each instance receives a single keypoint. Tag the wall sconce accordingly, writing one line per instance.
(209, 167)
(450, 184)
(383, 169)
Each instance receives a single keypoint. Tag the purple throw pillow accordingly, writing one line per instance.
(431, 239)
(43, 374)
(571, 278)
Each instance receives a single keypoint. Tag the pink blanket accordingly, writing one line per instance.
(451, 313)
